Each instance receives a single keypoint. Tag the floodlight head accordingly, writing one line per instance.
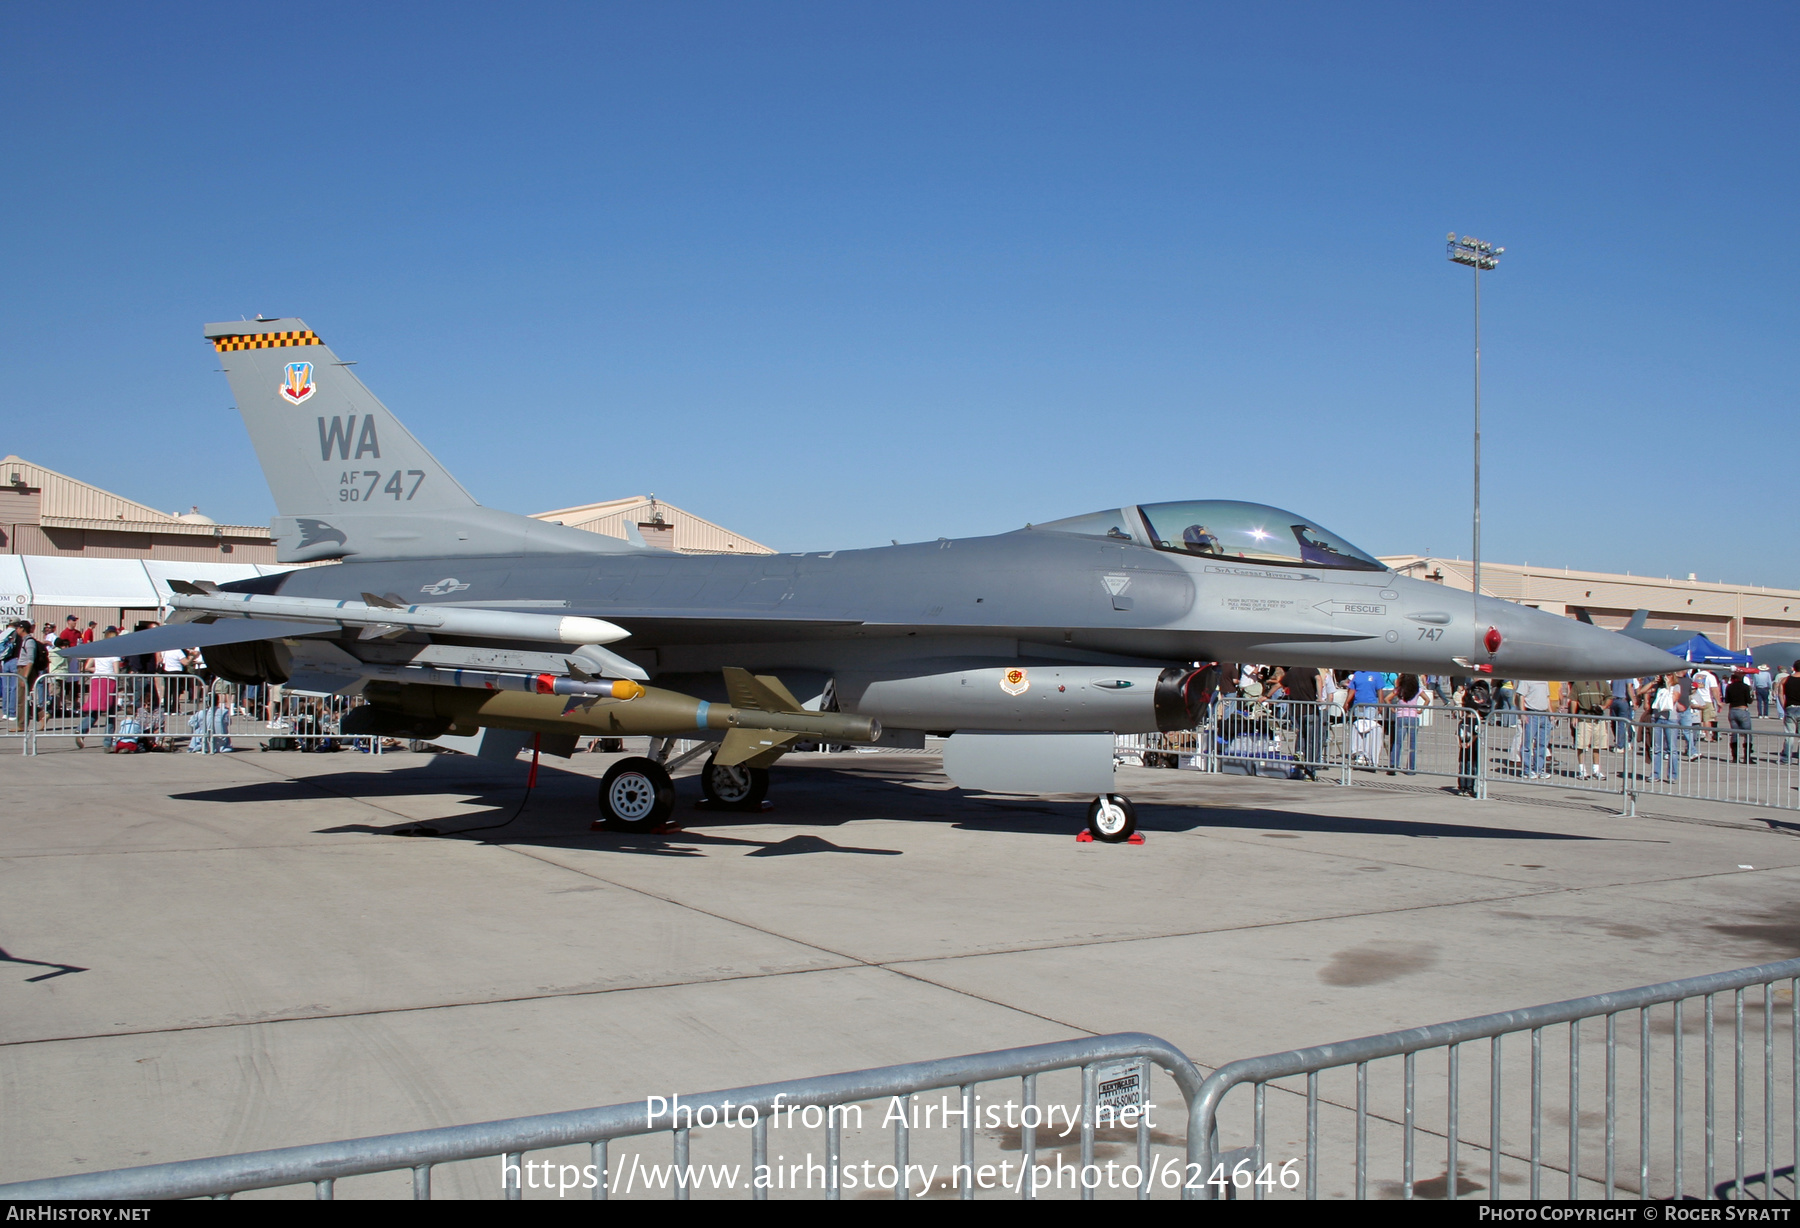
(1475, 253)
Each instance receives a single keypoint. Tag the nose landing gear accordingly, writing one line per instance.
(1111, 818)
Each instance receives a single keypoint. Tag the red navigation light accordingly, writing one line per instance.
(1492, 640)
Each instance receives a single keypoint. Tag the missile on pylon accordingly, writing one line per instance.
(475, 623)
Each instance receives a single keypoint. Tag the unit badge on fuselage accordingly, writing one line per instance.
(1014, 682)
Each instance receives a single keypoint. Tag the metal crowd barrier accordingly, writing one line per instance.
(1756, 767)
(1663, 1088)
(179, 712)
(1360, 1124)
(1111, 1069)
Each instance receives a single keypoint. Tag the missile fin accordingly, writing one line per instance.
(761, 693)
(193, 588)
(747, 745)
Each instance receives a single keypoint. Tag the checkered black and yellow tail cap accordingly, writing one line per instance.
(265, 341)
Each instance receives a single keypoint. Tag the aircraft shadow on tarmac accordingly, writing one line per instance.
(56, 969)
(562, 807)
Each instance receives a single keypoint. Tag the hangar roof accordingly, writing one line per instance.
(684, 531)
(69, 503)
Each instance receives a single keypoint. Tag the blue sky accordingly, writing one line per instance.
(834, 274)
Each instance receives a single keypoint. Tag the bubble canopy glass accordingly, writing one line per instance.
(1227, 529)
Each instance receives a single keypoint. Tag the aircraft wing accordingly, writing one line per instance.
(193, 635)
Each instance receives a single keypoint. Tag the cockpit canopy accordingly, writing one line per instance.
(1223, 529)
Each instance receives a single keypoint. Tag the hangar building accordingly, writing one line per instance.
(1737, 616)
(661, 524)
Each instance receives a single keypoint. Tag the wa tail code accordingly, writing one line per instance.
(338, 435)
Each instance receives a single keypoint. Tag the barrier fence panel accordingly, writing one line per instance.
(870, 1130)
(1689, 1088)
(1598, 755)
(178, 712)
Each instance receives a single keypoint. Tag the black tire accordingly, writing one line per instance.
(1111, 818)
(740, 788)
(636, 795)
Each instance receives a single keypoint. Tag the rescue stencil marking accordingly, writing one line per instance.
(1349, 607)
(1254, 605)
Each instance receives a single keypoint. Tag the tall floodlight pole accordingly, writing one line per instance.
(1478, 256)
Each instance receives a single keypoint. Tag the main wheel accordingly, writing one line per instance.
(1112, 818)
(740, 787)
(636, 795)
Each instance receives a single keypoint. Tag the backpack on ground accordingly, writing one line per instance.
(128, 737)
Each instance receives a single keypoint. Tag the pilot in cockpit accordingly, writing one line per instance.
(1197, 540)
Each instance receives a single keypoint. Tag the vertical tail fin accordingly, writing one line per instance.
(348, 479)
(326, 444)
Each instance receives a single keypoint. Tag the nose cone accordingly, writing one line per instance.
(1534, 644)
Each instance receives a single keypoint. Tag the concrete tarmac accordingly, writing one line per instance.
(210, 954)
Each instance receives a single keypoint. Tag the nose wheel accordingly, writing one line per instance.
(1111, 818)
(636, 795)
(737, 787)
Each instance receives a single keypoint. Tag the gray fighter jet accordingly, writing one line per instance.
(1634, 628)
(1030, 649)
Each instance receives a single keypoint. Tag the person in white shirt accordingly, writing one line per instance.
(102, 693)
(1534, 706)
(1706, 700)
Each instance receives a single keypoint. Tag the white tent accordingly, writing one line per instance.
(60, 580)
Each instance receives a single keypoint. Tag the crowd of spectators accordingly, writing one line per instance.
(88, 685)
(1382, 713)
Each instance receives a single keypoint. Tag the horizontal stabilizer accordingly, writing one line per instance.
(193, 635)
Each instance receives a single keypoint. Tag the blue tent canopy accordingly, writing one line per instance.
(1702, 651)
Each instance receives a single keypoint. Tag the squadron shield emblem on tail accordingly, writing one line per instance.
(299, 384)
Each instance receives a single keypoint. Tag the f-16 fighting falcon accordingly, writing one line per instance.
(1028, 649)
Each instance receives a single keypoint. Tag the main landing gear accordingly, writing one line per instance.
(636, 795)
(1111, 818)
(736, 788)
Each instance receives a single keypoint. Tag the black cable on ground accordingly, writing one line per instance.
(530, 784)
